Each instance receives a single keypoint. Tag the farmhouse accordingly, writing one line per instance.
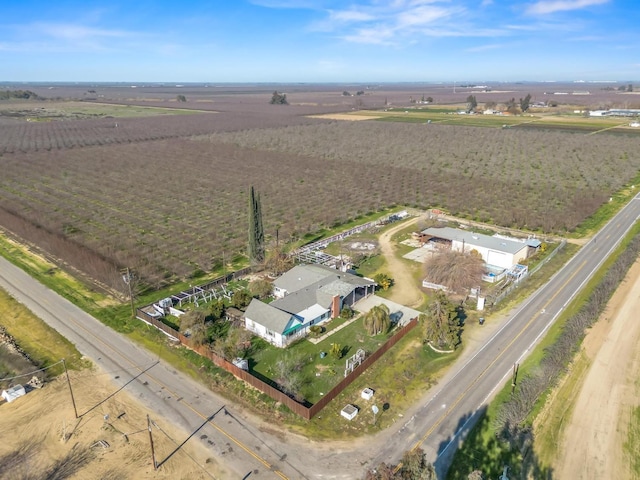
(306, 295)
(498, 252)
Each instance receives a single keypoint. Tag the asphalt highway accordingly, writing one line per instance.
(245, 448)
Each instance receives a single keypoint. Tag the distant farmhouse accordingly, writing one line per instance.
(306, 295)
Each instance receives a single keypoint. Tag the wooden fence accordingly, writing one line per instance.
(274, 393)
(359, 370)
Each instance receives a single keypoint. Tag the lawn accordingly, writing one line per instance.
(320, 374)
(399, 379)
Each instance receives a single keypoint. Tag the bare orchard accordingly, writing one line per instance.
(105, 193)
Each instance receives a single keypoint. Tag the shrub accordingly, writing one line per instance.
(315, 330)
(346, 312)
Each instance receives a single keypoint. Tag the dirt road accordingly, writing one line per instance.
(405, 290)
(592, 443)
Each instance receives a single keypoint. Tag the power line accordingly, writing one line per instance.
(31, 373)
(183, 451)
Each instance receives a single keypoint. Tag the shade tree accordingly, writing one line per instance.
(377, 320)
(441, 322)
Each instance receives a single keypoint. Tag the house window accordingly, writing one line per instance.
(312, 322)
(271, 333)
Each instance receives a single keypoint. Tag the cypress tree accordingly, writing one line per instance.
(256, 231)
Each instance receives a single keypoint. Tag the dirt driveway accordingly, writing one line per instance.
(405, 290)
(592, 441)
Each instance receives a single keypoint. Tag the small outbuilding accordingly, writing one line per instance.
(349, 412)
(10, 394)
(367, 393)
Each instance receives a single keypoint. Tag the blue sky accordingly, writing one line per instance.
(320, 41)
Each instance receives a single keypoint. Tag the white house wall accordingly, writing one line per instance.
(314, 314)
(499, 259)
(275, 339)
(521, 255)
(490, 256)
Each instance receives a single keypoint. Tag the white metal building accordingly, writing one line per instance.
(495, 251)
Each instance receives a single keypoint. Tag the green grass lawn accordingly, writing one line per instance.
(320, 374)
(400, 378)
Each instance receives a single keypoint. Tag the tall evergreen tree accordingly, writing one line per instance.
(256, 231)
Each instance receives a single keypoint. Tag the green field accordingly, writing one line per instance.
(58, 110)
(545, 120)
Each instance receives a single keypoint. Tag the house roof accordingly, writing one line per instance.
(337, 287)
(310, 289)
(476, 239)
(302, 276)
(300, 300)
(270, 317)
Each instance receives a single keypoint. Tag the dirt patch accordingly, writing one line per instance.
(111, 441)
(405, 291)
(346, 116)
(592, 443)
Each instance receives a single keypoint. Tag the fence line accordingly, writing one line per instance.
(359, 370)
(507, 291)
(293, 405)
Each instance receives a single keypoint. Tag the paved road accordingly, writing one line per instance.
(174, 397)
(439, 425)
(244, 449)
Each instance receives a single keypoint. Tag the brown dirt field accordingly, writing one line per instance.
(346, 116)
(591, 445)
(41, 418)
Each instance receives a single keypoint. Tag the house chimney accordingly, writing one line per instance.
(335, 306)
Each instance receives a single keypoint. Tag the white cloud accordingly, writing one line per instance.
(484, 48)
(289, 4)
(372, 36)
(349, 16)
(386, 23)
(77, 32)
(423, 15)
(544, 7)
(63, 37)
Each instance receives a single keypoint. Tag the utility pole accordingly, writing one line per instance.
(73, 400)
(153, 455)
(127, 278)
(514, 377)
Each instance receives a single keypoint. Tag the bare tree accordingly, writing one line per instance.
(455, 270)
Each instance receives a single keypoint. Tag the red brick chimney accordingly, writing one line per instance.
(335, 306)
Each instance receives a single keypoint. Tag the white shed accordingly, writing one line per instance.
(10, 394)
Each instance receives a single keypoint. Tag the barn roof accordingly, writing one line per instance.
(476, 239)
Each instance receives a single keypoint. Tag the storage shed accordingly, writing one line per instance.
(10, 394)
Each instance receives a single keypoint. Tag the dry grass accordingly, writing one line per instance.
(46, 440)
